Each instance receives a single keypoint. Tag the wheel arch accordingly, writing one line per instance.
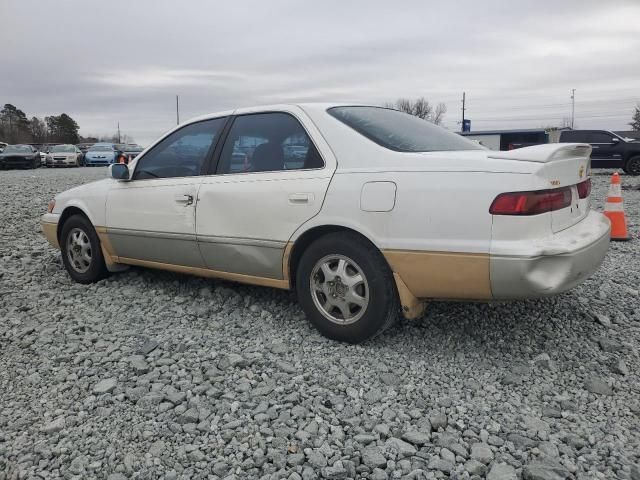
(305, 239)
(630, 156)
(66, 214)
(411, 307)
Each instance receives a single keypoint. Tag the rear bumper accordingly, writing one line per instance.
(554, 264)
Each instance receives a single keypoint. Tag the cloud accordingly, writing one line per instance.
(122, 61)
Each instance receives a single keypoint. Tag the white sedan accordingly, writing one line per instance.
(364, 211)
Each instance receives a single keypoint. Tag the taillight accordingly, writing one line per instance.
(531, 203)
(584, 188)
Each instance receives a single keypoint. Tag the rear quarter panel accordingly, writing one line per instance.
(434, 211)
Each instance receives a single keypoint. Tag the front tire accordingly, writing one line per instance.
(346, 288)
(81, 251)
(632, 167)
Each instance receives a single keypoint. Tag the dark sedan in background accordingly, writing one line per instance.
(24, 156)
(129, 150)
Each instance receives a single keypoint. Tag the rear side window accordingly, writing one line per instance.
(400, 131)
(182, 153)
(268, 142)
(573, 137)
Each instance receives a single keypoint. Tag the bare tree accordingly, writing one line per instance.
(38, 130)
(420, 108)
(438, 115)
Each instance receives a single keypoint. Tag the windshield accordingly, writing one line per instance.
(62, 148)
(17, 149)
(101, 148)
(400, 131)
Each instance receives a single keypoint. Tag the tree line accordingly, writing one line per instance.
(16, 127)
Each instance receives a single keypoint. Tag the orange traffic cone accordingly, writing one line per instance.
(614, 210)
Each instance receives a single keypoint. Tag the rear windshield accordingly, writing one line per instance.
(400, 131)
(101, 148)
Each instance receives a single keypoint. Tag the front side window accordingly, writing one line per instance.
(599, 137)
(268, 142)
(400, 131)
(182, 153)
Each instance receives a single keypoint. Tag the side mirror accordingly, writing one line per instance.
(119, 171)
(615, 140)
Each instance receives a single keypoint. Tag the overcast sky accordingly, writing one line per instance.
(108, 61)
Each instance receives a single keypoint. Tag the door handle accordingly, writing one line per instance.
(186, 199)
(300, 198)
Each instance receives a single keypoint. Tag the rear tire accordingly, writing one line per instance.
(632, 167)
(81, 251)
(346, 288)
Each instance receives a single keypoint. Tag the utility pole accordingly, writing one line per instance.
(177, 111)
(573, 106)
(463, 100)
(119, 132)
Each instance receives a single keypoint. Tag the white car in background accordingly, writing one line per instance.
(63, 156)
(383, 212)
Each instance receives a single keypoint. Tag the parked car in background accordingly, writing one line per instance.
(609, 150)
(100, 154)
(131, 151)
(84, 147)
(43, 151)
(2, 145)
(24, 156)
(64, 156)
(385, 212)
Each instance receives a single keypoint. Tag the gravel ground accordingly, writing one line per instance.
(155, 375)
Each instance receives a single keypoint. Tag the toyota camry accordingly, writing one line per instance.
(364, 211)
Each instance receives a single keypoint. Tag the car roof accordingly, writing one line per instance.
(275, 107)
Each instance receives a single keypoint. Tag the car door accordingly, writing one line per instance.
(604, 152)
(272, 174)
(151, 218)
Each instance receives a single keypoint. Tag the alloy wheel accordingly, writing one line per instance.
(339, 289)
(79, 250)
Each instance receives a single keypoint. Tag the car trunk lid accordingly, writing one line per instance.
(562, 165)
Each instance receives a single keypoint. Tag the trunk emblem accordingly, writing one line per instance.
(581, 171)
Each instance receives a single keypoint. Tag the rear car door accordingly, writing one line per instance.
(151, 218)
(272, 174)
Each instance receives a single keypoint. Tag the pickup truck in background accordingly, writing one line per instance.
(609, 149)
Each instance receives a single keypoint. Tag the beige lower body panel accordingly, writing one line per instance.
(422, 275)
(50, 231)
(447, 275)
(205, 272)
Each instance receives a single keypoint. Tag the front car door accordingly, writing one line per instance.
(151, 218)
(272, 174)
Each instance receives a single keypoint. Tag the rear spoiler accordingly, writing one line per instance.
(545, 153)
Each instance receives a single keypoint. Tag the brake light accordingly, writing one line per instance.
(584, 188)
(531, 203)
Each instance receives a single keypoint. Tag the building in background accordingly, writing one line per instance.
(510, 139)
